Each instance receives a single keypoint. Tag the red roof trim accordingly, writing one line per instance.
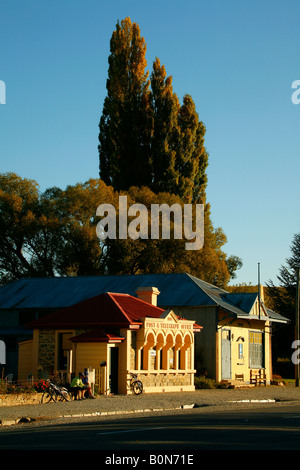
(97, 336)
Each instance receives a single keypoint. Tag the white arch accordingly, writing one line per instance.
(189, 335)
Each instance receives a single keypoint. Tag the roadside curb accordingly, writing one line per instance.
(255, 401)
(125, 412)
(22, 420)
(11, 422)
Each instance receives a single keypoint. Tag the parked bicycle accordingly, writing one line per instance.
(136, 384)
(55, 393)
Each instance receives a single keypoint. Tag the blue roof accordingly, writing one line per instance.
(176, 290)
(59, 292)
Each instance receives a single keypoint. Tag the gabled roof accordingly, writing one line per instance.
(59, 292)
(238, 303)
(106, 310)
(176, 290)
(276, 317)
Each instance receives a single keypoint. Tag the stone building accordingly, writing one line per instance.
(237, 327)
(115, 334)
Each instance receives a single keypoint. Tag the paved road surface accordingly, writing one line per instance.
(221, 399)
(181, 432)
(239, 419)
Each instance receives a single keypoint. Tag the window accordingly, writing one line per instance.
(256, 349)
(241, 351)
(64, 346)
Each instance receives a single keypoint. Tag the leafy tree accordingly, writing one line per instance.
(54, 233)
(78, 250)
(167, 255)
(18, 204)
(233, 264)
(51, 233)
(283, 296)
(146, 255)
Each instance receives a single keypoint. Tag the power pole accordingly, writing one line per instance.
(259, 300)
(297, 326)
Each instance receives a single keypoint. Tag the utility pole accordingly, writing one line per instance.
(297, 326)
(259, 300)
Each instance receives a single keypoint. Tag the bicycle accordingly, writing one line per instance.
(136, 384)
(55, 393)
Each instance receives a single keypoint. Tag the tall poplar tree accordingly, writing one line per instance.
(146, 137)
(126, 122)
(192, 158)
(148, 140)
(165, 105)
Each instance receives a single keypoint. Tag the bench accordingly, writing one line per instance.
(239, 377)
(258, 377)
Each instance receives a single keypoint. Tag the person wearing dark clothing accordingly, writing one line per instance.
(85, 380)
(78, 387)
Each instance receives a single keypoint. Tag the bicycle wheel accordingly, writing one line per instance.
(47, 397)
(137, 387)
(64, 395)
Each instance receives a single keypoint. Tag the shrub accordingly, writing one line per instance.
(11, 388)
(19, 388)
(277, 379)
(3, 387)
(204, 382)
(40, 386)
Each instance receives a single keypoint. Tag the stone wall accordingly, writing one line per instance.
(13, 399)
(165, 380)
(47, 349)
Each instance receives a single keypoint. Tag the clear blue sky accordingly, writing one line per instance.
(237, 60)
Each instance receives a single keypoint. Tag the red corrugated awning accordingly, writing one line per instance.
(97, 336)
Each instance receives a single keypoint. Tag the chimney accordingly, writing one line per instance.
(261, 291)
(148, 294)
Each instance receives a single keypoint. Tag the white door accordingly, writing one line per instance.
(226, 354)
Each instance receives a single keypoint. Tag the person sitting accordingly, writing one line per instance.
(78, 387)
(85, 380)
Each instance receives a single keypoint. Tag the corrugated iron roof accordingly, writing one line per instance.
(60, 292)
(176, 290)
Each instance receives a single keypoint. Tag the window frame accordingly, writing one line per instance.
(256, 349)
